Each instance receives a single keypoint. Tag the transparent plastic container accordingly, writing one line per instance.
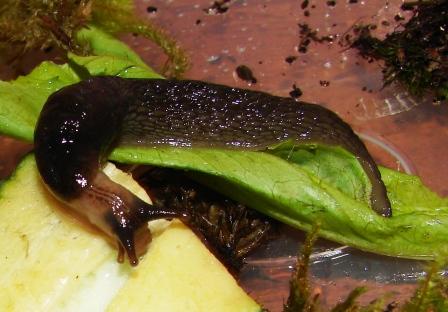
(402, 132)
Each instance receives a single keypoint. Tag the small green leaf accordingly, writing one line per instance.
(103, 44)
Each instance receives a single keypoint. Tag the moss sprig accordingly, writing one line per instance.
(36, 24)
(300, 295)
(431, 294)
(26, 25)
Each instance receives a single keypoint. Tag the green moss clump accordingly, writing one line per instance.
(416, 53)
(35, 24)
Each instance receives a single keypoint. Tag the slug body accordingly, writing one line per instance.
(80, 123)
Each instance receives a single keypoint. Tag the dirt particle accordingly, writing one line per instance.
(218, 7)
(324, 83)
(304, 4)
(296, 92)
(290, 59)
(245, 73)
(307, 35)
(151, 9)
(407, 6)
(398, 18)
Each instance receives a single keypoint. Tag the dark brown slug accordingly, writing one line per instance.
(80, 123)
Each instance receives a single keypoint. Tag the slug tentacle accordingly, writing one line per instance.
(81, 123)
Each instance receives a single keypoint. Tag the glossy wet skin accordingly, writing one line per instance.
(81, 123)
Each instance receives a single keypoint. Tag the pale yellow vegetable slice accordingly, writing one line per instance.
(45, 253)
(179, 274)
(51, 261)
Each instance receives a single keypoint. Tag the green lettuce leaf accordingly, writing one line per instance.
(300, 195)
(296, 185)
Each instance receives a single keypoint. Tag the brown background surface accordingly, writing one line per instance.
(261, 34)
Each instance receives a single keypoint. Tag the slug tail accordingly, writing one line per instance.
(379, 200)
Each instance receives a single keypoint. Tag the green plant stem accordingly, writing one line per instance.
(300, 298)
(113, 19)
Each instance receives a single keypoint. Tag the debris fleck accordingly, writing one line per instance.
(151, 9)
(290, 59)
(296, 92)
(304, 4)
(218, 7)
(245, 73)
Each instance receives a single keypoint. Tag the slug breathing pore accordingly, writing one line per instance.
(81, 123)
